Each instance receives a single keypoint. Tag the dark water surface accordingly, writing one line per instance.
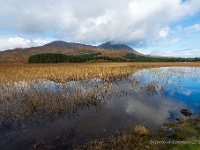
(149, 97)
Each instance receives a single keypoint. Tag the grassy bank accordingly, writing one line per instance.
(187, 135)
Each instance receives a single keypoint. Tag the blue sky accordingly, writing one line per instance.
(166, 28)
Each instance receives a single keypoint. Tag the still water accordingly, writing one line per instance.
(149, 97)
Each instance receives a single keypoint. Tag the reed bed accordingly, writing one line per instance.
(61, 72)
(25, 101)
(32, 90)
(73, 71)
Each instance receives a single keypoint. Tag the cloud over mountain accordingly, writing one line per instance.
(133, 22)
(92, 20)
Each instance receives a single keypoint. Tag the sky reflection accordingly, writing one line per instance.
(179, 83)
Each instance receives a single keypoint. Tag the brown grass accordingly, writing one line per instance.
(73, 71)
(20, 100)
(27, 102)
(114, 53)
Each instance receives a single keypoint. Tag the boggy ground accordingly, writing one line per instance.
(182, 135)
(187, 131)
(23, 93)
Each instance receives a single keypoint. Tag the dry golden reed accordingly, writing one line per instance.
(73, 71)
(23, 93)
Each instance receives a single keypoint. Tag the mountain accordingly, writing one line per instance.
(22, 54)
(68, 45)
(113, 46)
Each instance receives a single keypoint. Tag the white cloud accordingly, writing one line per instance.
(195, 27)
(157, 52)
(178, 53)
(163, 32)
(125, 21)
(175, 40)
(19, 42)
(11, 43)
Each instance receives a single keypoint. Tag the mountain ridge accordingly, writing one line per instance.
(116, 46)
(64, 44)
(70, 48)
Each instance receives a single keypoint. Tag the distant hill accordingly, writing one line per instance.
(114, 46)
(68, 45)
(22, 54)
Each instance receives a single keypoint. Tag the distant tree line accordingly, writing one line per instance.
(115, 59)
(138, 58)
(48, 58)
(84, 57)
(63, 58)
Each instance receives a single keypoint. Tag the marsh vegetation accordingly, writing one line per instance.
(73, 104)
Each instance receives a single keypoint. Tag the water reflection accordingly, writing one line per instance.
(116, 116)
(178, 83)
(148, 97)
